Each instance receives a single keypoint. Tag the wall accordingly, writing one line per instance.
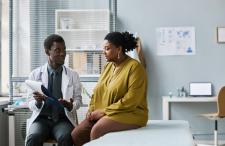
(167, 73)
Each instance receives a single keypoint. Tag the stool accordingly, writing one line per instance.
(51, 141)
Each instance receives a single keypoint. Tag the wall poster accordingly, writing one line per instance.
(175, 41)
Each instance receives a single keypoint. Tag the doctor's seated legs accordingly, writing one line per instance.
(43, 129)
(62, 133)
(38, 133)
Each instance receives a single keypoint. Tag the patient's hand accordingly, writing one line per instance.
(88, 116)
(96, 115)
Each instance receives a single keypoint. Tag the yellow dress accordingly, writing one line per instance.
(121, 92)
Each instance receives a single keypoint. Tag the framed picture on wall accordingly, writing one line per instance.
(221, 34)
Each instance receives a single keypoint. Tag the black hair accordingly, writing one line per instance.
(124, 39)
(51, 39)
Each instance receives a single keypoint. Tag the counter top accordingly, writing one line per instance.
(4, 100)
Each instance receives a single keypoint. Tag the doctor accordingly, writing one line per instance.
(63, 84)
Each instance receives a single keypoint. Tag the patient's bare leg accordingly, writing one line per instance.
(106, 125)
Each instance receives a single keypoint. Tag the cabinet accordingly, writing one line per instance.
(83, 32)
(4, 133)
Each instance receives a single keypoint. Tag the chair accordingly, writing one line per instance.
(219, 115)
(140, 53)
(51, 141)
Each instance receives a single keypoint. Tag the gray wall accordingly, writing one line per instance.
(167, 73)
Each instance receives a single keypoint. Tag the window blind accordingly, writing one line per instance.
(34, 20)
(84, 31)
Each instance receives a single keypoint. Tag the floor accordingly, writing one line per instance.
(208, 143)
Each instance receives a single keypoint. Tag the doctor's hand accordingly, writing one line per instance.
(65, 103)
(39, 97)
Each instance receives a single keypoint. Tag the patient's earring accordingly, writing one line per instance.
(118, 56)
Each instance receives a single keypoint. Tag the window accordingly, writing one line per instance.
(32, 22)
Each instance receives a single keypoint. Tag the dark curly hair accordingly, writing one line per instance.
(51, 39)
(124, 39)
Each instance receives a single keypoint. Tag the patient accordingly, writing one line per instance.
(119, 99)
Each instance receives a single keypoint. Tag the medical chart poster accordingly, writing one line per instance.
(175, 41)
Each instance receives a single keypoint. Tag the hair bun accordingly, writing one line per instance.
(129, 41)
(124, 39)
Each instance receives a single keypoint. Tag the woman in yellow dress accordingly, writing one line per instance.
(119, 98)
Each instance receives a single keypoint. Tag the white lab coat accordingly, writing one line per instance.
(71, 88)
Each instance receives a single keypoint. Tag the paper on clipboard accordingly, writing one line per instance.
(37, 86)
(34, 85)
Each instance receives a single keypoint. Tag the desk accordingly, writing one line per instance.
(167, 100)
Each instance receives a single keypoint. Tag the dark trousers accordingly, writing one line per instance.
(43, 129)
